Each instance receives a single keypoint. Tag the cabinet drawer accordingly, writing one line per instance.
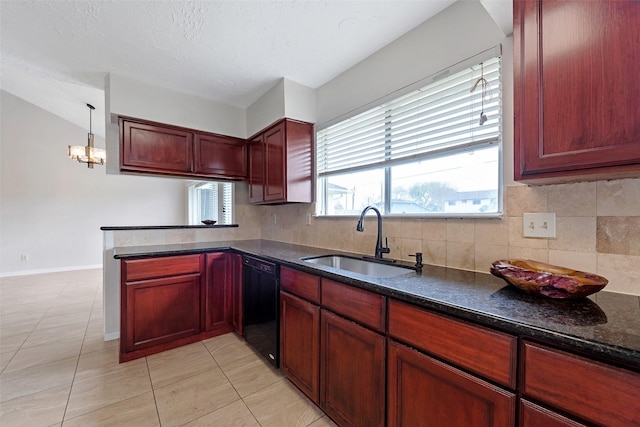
(362, 306)
(532, 415)
(149, 268)
(301, 284)
(488, 353)
(590, 390)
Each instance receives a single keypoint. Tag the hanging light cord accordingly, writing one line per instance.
(483, 117)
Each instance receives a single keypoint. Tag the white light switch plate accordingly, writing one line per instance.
(539, 225)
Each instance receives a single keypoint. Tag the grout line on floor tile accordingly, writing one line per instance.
(153, 390)
(75, 372)
(213, 357)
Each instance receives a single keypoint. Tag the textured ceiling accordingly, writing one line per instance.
(55, 54)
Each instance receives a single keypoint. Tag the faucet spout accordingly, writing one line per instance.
(360, 227)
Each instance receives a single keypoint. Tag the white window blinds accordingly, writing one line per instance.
(441, 117)
(211, 200)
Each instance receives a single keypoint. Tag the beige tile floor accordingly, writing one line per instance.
(56, 370)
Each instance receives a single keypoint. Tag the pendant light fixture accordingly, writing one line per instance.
(88, 154)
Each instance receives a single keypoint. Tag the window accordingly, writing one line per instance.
(210, 200)
(434, 151)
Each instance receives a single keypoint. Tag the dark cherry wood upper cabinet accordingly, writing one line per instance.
(576, 100)
(153, 148)
(256, 170)
(157, 148)
(281, 163)
(275, 163)
(220, 156)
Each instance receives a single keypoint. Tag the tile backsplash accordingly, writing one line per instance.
(597, 226)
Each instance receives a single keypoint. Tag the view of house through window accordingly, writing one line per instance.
(212, 201)
(435, 151)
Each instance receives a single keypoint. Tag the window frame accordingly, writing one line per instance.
(322, 181)
(194, 206)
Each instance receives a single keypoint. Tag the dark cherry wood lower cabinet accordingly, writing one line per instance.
(589, 390)
(235, 270)
(300, 343)
(167, 302)
(532, 415)
(423, 391)
(352, 369)
(218, 294)
(159, 311)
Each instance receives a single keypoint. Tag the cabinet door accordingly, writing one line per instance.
(300, 154)
(426, 392)
(256, 170)
(154, 148)
(352, 384)
(576, 90)
(218, 298)
(532, 415)
(590, 390)
(275, 164)
(460, 343)
(235, 270)
(300, 343)
(220, 156)
(159, 311)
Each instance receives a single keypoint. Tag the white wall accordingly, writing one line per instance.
(133, 98)
(462, 30)
(52, 208)
(285, 99)
(128, 97)
(266, 109)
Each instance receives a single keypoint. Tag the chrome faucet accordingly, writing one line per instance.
(360, 227)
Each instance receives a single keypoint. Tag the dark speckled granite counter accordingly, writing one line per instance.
(604, 326)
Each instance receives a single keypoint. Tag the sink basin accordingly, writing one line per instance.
(358, 265)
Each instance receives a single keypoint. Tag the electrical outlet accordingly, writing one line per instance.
(539, 225)
(308, 219)
(275, 219)
(24, 257)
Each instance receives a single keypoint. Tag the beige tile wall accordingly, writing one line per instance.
(247, 217)
(597, 227)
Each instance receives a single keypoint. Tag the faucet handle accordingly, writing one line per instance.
(386, 249)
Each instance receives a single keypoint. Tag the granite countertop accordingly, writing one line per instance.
(165, 227)
(606, 325)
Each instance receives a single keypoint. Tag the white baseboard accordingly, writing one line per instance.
(50, 270)
(111, 336)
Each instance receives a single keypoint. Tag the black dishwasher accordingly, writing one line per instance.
(260, 294)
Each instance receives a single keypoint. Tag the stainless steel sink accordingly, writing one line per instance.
(359, 265)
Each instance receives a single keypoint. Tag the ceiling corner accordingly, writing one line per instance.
(501, 11)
